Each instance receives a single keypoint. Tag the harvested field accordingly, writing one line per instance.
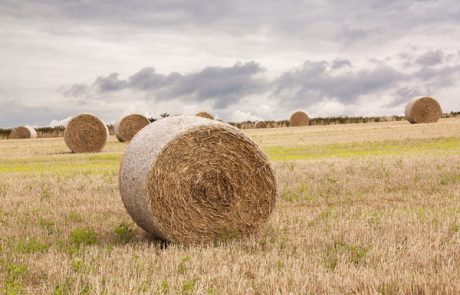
(362, 208)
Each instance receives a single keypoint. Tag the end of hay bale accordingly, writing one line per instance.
(423, 110)
(192, 180)
(23, 132)
(129, 125)
(261, 124)
(299, 119)
(86, 133)
(205, 115)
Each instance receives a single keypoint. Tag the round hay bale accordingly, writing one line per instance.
(192, 180)
(22, 132)
(205, 115)
(129, 125)
(261, 124)
(299, 119)
(86, 133)
(423, 110)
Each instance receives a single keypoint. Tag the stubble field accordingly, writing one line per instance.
(366, 208)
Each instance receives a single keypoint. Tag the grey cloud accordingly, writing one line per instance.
(149, 79)
(321, 79)
(224, 87)
(428, 58)
(403, 94)
(220, 85)
(440, 77)
(347, 84)
(349, 35)
(76, 90)
(17, 112)
(339, 80)
(340, 63)
(431, 58)
(110, 83)
(353, 20)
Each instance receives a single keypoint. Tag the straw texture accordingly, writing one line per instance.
(299, 119)
(192, 180)
(86, 133)
(129, 125)
(205, 115)
(23, 132)
(423, 110)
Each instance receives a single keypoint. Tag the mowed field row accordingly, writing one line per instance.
(362, 208)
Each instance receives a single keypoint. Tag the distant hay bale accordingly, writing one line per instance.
(129, 125)
(22, 132)
(299, 119)
(261, 124)
(192, 180)
(423, 110)
(205, 115)
(86, 133)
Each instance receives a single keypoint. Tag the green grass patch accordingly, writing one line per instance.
(31, 246)
(189, 286)
(124, 233)
(108, 163)
(64, 164)
(182, 268)
(78, 265)
(355, 254)
(83, 236)
(436, 146)
(15, 275)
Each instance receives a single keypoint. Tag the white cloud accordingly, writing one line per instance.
(240, 116)
(62, 122)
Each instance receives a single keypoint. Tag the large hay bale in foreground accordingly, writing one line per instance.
(22, 132)
(205, 115)
(423, 110)
(299, 119)
(192, 180)
(129, 125)
(86, 133)
(261, 124)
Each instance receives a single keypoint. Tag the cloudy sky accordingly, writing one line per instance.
(241, 60)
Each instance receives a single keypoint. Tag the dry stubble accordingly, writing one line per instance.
(371, 224)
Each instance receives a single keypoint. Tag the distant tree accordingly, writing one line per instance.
(164, 115)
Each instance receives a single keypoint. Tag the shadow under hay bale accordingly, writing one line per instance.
(23, 132)
(86, 133)
(129, 125)
(299, 119)
(205, 115)
(423, 110)
(191, 180)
